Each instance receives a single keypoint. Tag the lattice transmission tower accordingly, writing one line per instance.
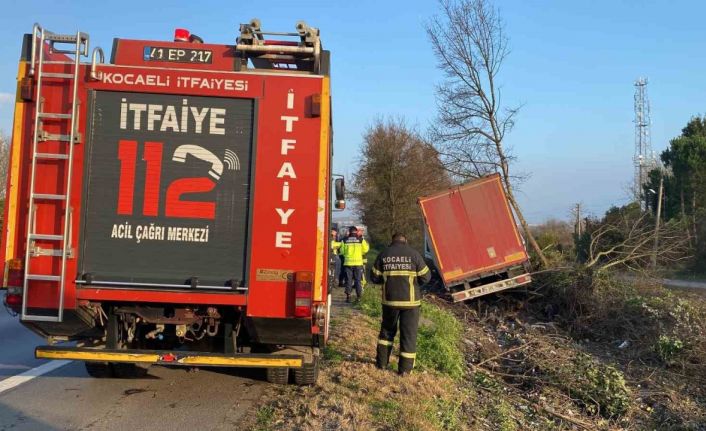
(644, 157)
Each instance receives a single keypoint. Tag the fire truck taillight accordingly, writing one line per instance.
(15, 273)
(13, 301)
(303, 285)
(14, 282)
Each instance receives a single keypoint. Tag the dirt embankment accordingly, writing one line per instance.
(543, 359)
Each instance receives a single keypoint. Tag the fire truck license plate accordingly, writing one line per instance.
(178, 55)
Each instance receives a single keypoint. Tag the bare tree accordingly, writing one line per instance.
(470, 44)
(625, 240)
(396, 168)
(4, 161)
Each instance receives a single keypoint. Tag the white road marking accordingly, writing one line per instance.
(14, 367)
(14, 381)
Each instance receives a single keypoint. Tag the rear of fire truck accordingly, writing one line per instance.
(171, 206)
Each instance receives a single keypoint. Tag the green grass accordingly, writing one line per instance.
(445, 413)
(371, 301)
(386, 412)
(332, 355)
(438, 342)
(485, 381)
(500, 415)
(265, 416)
(438, 339)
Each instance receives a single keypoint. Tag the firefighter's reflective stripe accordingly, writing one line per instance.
(402, 303)
(376, 271)
(402, 273)
(384, 342)
(412, 356)
(424, 271)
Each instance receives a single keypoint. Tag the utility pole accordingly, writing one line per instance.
(578, 220)
(659, 216)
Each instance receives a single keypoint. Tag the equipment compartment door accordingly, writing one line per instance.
(167, 190)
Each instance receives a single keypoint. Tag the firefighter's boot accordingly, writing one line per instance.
(383, 353)
(406, 363)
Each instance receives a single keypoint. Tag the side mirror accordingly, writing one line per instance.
(340, 190)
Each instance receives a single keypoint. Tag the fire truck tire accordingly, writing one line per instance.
(278, 376)
(128, 371)
(308, 374)
(99, 370)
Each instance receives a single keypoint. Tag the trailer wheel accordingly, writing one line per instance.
(307, 374)
(278, 376)
(129, 371)
(99, 370)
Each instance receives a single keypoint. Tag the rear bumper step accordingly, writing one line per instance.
(164, 357)
(475, 292)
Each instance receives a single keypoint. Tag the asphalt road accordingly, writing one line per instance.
(66, 398)
(687, 284)
(17, 345)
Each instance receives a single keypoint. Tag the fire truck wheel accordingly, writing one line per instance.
(129, 371)
(278, 376)
(308, 374)
(99, 370)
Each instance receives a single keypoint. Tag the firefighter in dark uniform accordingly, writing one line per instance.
(401, 271)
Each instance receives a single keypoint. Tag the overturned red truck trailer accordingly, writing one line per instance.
(472, 237)
(172, 206)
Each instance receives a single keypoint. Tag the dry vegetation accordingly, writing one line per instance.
(572, 353)
(596, 354)
(354, 395)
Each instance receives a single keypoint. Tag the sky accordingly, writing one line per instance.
(571, 68)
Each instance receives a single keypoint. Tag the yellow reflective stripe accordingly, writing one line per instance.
(325, 153)
(400, 273)
(408, 355)
(376, 271)
(384, 342)
(12, 198)
(402, 303)
(411, 287)
(424, 271)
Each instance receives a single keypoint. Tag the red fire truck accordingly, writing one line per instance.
(172, 206)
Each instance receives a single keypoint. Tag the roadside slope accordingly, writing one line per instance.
(352, 394)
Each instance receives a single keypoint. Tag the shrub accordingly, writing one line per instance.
(668, 348)
(599, 387)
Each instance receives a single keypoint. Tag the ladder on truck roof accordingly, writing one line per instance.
(43, 40)
(304, 55)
